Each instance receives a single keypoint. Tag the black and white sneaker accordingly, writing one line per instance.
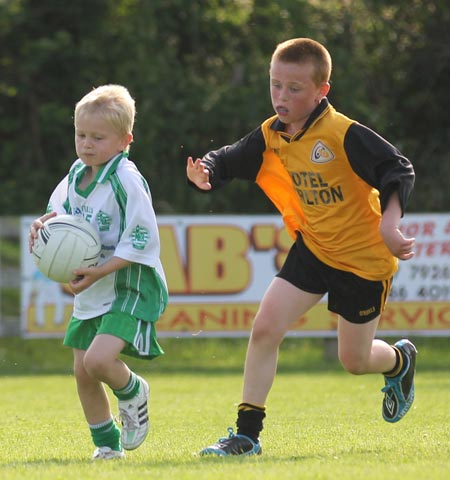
(399, 390)
(134, 417)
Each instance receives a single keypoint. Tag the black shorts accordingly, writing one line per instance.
(354, 298)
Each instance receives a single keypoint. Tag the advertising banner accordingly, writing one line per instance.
(218, 267)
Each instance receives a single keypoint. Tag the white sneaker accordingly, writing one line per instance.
(134, 416)
(106, 453)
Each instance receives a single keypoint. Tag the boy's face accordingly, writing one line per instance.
(294, 93)
(96, 142)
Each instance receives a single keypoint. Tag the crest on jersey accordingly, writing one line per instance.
(321, 153)
(140, 236)
(103, 221)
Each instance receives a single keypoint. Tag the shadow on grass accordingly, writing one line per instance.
(161, 463)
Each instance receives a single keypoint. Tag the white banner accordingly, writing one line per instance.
(219, 266)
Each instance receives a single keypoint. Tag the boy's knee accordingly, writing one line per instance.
(266, 331)
(94, 365)
(259, 334)
(353, 364)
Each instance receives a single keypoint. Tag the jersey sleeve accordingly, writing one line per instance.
(139, 240)
(58, 199)
(241, 160)
(379, 163)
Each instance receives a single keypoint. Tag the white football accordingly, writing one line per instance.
(65, 243)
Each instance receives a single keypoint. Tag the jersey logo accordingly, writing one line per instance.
(140, 236)
(321, 153)
(103, 221)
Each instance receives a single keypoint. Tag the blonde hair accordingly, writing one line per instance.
(113, 103)
(302, 50)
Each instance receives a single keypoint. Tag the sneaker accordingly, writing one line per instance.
(106, 453)
(233, 445)
(134, 417)
(399, 390)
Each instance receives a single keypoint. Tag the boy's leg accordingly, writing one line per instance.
(280, 307)
(95, 403)
(106, 436)
(360, 353)
(131, 390)
(133, 410)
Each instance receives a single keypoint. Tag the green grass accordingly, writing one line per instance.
(322, 423)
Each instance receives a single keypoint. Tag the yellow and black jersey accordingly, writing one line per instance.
(330, 182)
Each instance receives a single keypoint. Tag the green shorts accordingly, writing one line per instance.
(140, 336)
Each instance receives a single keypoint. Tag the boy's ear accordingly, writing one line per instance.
(324, 89)
(127, 139)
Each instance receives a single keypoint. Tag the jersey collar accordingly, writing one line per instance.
(105, 170)
(279, 126)
(109, 168)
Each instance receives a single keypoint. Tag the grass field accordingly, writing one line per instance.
(322, 423)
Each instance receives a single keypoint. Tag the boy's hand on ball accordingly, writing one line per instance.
(85, 277)
(35, 226)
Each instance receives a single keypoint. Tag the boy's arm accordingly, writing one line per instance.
(87, 276)
(397, 244)
(380, 164)
(55, 206)
(242, 160)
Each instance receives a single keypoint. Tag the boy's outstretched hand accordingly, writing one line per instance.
(198, 173)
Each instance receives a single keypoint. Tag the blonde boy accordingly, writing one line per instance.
(116, 303)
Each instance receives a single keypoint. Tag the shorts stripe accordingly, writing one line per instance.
(387, 284)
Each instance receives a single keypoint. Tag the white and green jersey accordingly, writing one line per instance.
(118, 204)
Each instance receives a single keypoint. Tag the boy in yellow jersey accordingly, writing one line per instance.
(341, 190)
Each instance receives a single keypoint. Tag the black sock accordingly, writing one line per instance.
(250, 420)
(398, 364)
